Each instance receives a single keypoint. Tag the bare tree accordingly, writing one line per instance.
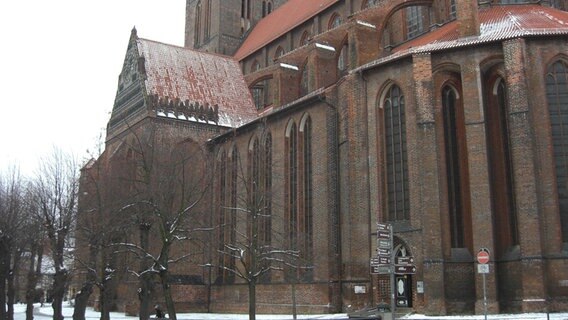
(12, 225)
(34, 239)
(168, 178)
(99, 226)
(253, 251)
(57, 186)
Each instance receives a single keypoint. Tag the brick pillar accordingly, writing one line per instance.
(286, 81)
(363, 45)
(524, 155)
(467, 17)
(431, 270)
(481, 215)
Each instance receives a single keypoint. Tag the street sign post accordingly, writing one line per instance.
(405, 269)
(483, 258)
(404, 260)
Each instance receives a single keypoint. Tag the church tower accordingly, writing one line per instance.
(220, 26)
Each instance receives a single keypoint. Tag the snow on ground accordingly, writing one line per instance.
(45, 313)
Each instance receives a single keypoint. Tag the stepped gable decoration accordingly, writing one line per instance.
(288, 16)
(195, 86)
(184, 110)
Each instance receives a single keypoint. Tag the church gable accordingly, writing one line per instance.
(129, 101)
(203, 81)
(161, 80)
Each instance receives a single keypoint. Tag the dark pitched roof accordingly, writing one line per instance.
(174, 72)
(285, 18)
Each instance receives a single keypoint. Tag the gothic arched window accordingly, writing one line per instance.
(197, 24)
(500, 164)
(397, 191)
(334, 22)
(305, 38)
(261, 94)
(456, 167)
(557, 97)
(343, 59)
(304, 81)
(279, 52)
(414, 21)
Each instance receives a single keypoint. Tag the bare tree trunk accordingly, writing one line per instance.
(60, 280)
(4, 270)
(144, 292)
(81, 301)
(252, 300)
(12, 274)
(168, 295)
(31, 284)
(82, 297)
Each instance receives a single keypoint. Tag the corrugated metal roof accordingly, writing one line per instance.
(179, 73)
(285, 18)
(497, 23)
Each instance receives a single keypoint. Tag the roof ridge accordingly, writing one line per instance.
(188, 49)
(301, 18)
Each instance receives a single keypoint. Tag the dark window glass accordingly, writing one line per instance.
(307, 228)
(414, 21)
(557, 96)
(453, 167)
(396, 157)
(500, 165)
(343, 60)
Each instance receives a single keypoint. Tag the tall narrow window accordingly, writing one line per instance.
(395, 156)
(269, 7)
(231, 219)
(292, 191)
(334, 22)
(263, 9)
(207, 19)
(198, 24)
(414, 21)
(453, 9)
(261, 94)
(456, 168)
(343, 59)
(500, 165)
(279, 52)
(557, 97)
(305, 38)
(304, 81)
(307, 211)
(222, 214)
(265, 223)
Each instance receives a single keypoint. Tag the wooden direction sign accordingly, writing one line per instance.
(381, 269)
(381, 252)
(405, 269)
(381, 234)
(375, 261)
(383, 227)
(385, 244)
(384, 260)
(404, 260)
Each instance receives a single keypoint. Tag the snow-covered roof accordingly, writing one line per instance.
(200, 78)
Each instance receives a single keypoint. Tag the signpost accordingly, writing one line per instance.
(483, 268)
(386, 263)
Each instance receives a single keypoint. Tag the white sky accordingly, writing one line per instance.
(59, 67)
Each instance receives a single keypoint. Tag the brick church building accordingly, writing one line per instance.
(443, 118)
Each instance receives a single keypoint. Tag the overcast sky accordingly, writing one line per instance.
(59, 67)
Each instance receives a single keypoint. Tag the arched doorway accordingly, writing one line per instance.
(403, 282)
